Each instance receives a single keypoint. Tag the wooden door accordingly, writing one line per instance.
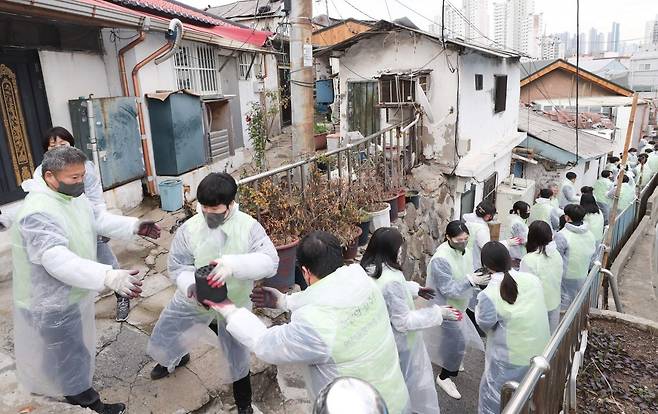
(362, 112)
(24, 118)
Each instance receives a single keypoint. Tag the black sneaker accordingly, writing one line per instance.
(246, 410)
(123, 308)
(159, 371)
(102, 408)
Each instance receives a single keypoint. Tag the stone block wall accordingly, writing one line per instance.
(424, 228)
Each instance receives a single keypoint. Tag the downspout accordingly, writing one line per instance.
(174, 36)
(122, 61)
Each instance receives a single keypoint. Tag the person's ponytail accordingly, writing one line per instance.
(508, 289)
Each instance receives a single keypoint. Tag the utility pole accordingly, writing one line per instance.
(301, 78)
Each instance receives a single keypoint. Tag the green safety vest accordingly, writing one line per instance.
(626, 197)
(526, 322)
(390, 276)
(548, 268)
(581, 248)
(74, 217)
(460, 265)
(205, 249)
(360, 337)
(601, 188)
(541, 212)
(645, 177)
(595, 225)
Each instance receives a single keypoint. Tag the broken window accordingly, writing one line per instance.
(478, 82)
(489, 189)
(196, 67)
(500, 93)
(395, 90)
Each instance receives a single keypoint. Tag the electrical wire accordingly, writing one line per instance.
(577, 71)
(388, 10)
(360, 11)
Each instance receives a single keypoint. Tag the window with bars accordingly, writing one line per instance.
(196, 67)
(250, 66)
(489, 189)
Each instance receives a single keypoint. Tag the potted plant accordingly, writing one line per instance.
(278, 210)
(260, 121)
(320, 132)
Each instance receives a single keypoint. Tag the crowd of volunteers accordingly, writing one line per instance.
(365, 334)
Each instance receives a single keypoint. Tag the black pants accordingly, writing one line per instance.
(447, 374)
(241, 387)
(84, 399)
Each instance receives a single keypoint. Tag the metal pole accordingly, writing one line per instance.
(93, 143)
(615, 202)
(301, 78)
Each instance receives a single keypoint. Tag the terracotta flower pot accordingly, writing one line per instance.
(285, 275)
(350, 251)
(402, 202)
(320, 141)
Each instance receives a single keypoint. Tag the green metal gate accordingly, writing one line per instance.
(362, 112)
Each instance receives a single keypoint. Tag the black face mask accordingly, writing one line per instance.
(461, 246)
(214, 220)
(72, 190)
(525, 215)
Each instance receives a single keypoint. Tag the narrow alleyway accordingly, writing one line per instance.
(637, 280)
(122, 366)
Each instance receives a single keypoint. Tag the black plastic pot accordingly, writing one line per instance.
(285, 275)
(413, 196)
(392, 200)
(365, 230)
(204, 291)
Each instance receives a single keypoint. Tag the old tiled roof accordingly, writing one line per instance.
(172, 8)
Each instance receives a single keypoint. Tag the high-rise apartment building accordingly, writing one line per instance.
(454, 23)
(613, 38)
(477, 14)
(499, 24)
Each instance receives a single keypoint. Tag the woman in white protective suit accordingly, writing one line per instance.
(544, 261)
(381, 262)
(449, 274)
(511, 310)
(519, 229)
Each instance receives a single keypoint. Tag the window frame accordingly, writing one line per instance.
(490, 194)
(196, 67)
(500, 93)
(251, 66)
(479, 81)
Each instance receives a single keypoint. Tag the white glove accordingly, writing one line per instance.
(123, 282)
(479, 278)
(450, 314)
(220, 273)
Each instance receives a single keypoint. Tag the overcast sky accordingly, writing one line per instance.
(559, 15)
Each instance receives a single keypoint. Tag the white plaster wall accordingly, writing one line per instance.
(271, 82)
(69, 75)
(247, 96)
(477, 120)
(403, 51)
(621, 126)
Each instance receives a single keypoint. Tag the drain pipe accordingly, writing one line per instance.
(174, 35)
(122, 61)
(93, 143)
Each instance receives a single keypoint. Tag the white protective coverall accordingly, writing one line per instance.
(577, 246)
(446, 273)
(339, 327)
(626, 196)
(518, 228)
(94, 193)
(548, 268)
(544, 210)
(407, 321)
(595, 224)
(567, 194)
(55, 280)
(601, 188)
(644, 175)
(245, 248)
(515, 333)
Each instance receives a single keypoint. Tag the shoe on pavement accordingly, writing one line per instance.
(102, 408)
(461, 367)
(159, 371)
(449, 387)
(246, 410)
(123, 308)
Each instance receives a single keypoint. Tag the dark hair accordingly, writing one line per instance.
(455, 228)
(586, 190)
(55, 132)
(652, 142)
(632, 150)
(485, 207)
(495, 256)
(563, 221)
(648, 150)
(571, 175)
(382, 249)
(642, 157)
(545, 193)
(606, 173)
(588, 203)
(575, 212)
(625, 179)
(520, 207)
(216, 189)
(540, 235)
(613, 160)
(320, 252)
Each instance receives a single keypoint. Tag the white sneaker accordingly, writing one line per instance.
(461, 367)
(449, 387)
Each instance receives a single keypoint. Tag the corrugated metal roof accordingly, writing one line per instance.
(247, 8)
(561, 136)
(528, 68)
(590, 101)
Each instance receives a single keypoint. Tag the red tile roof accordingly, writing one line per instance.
(171, 8)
